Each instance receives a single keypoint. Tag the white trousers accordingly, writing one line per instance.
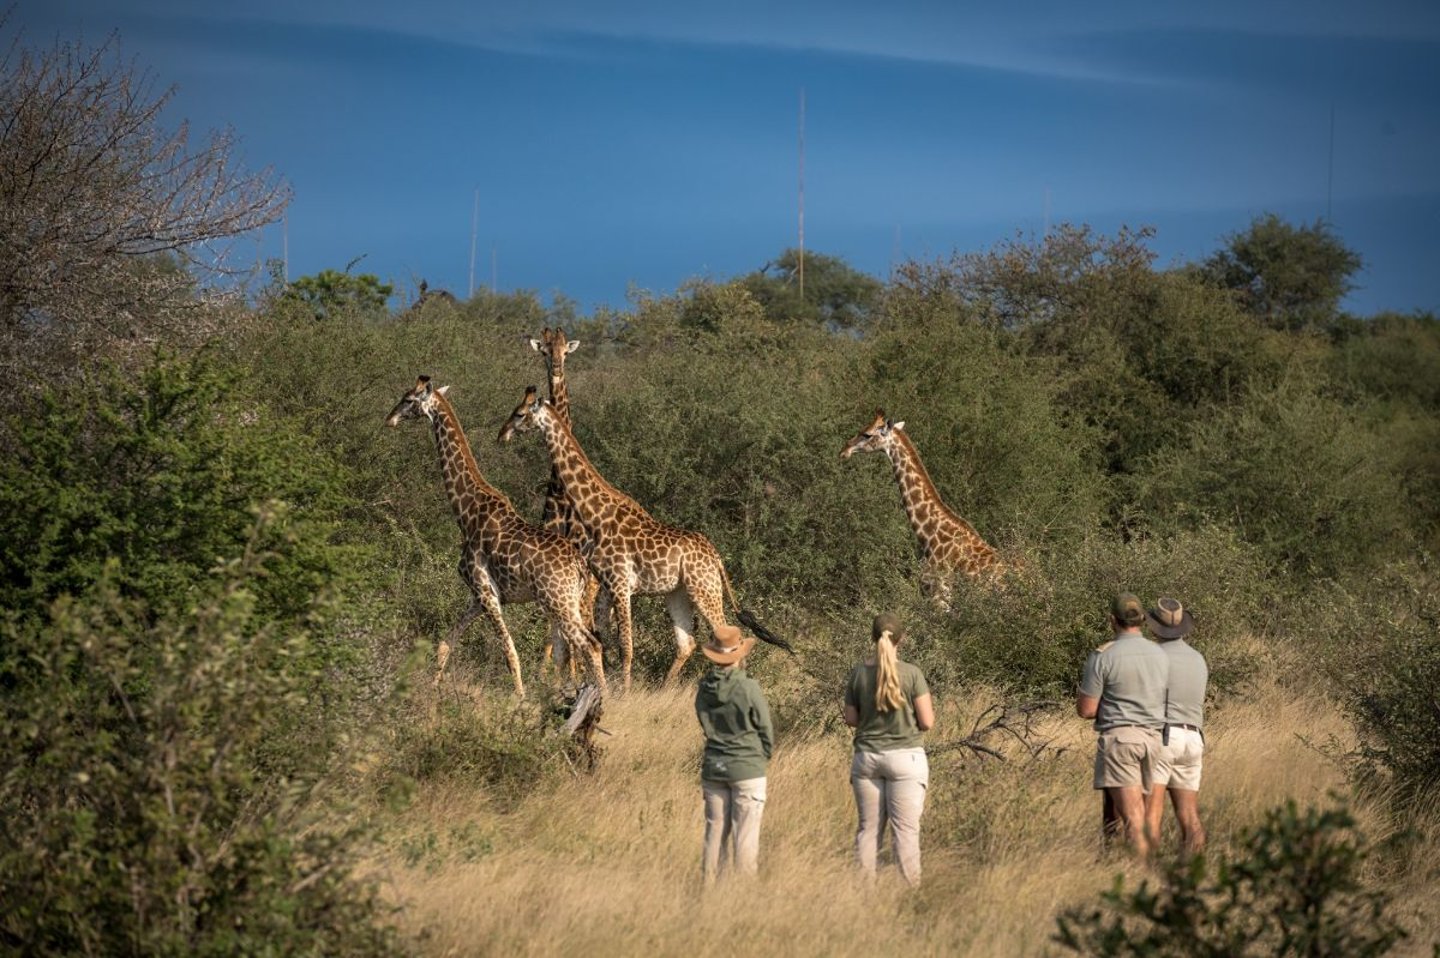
(890, 789)
(732, 827)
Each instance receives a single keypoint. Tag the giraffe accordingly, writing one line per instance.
(503, 559)
(633, 554)
(948, 544)
(558, 514)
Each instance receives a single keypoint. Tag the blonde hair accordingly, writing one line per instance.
(888, 696)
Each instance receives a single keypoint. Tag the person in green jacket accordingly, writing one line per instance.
(738, 740)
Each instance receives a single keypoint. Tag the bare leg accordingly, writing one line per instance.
(1187, 813)
(1130, 806)
(1154, 813)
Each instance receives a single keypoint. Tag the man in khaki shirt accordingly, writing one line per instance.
(1123, 690)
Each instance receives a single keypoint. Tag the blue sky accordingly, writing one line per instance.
(635, 145)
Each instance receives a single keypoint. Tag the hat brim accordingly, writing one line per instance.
(723, 656)
(1179, 630)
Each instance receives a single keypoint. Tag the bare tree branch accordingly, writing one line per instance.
(109, 223)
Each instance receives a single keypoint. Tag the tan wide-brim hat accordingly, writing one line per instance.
(1169, 619)
(728, 645)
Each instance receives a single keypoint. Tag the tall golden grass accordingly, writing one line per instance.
(607, 863)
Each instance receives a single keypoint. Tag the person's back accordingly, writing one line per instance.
(736, 721)
(885, 731)
(1189, 675)
(1133, 674)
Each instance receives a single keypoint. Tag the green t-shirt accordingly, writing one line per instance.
(885, 731)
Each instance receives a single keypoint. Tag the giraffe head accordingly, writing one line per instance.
(525, 416)
(553, 347)
(875, 437)
(418, 402)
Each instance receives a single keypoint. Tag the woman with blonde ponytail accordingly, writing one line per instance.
(887, 702)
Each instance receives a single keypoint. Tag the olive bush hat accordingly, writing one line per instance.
(1169, 620)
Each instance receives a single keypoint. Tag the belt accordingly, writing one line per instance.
(1193, 728)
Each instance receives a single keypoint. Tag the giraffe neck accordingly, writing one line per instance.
(923, 505)
(560, 396)
(470, 495)
(587, 489)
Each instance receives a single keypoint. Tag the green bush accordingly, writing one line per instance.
(1031, 635)
(143, 808)
(158, 475)
(1299, 474)
(1294, 888)
(1380, 651)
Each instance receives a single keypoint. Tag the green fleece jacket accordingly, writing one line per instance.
(736, 719)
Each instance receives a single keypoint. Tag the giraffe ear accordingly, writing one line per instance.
(571, 346)
(534, 343)
(897, 426)
(443, 390)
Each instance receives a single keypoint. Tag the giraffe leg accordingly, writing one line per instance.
(621, 610)
(682, 614)
(560, 648)
(588, 600)
(442, 653)
(583, 643)
(488, 595)
(604, 602)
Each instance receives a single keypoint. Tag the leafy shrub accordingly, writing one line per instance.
(1032, 634)
(159, 476)
(1382, 654)
(1295, 888)
(142, 809)
(1299, 474)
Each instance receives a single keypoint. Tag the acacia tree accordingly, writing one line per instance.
(1291, 277)
(108, 221)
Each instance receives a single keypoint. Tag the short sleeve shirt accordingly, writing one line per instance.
(1129, 677)
(886, 731)
(1185, 701)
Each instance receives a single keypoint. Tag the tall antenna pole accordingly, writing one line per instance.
(474, 225)
(802, 195)
(1330, 166)
(285, 242)
(1045, 228)
(493, 287)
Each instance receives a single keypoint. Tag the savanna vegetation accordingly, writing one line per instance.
(221, 581)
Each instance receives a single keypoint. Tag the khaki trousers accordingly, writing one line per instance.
(890, 789)
(732, 827)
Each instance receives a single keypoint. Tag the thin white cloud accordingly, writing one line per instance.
(1033, 37)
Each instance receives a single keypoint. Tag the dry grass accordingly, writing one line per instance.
(608, 864)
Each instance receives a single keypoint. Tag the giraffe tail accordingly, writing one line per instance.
(747, 619)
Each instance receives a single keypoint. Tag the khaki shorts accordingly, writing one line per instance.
(1124, 757)
(1177, 765)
